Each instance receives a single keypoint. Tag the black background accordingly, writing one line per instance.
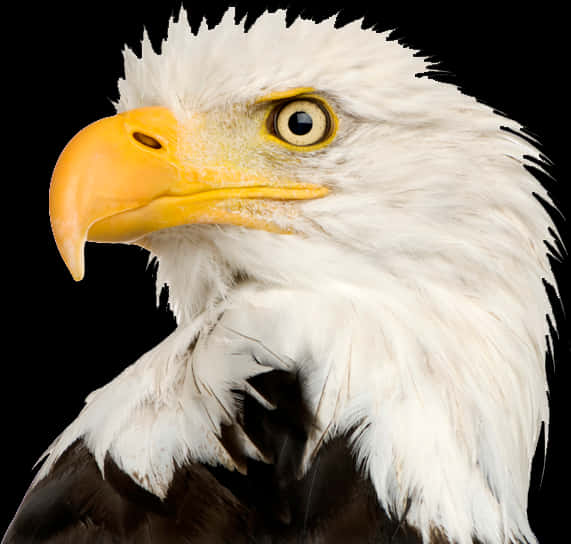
(65, 339)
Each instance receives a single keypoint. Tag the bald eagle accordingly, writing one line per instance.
(350, 317)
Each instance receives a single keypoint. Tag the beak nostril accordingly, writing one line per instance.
(147, 140)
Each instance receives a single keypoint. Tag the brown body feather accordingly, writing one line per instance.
(331, 503)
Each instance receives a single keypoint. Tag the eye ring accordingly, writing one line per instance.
(302, 122)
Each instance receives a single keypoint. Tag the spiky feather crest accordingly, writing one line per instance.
(411, 302)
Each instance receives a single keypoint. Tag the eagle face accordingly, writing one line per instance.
(306, 179)
(415, 175)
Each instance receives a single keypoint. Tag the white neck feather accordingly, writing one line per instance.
(443, 390)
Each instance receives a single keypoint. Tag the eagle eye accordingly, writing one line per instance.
(302, 122)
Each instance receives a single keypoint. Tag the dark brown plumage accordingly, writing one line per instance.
(331, 503)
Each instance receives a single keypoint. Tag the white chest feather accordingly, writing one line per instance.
(452, 424)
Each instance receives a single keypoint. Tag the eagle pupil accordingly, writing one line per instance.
(300, 123)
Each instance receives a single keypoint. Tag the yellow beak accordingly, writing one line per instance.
(121, 178)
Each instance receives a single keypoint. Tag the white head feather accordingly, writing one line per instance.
(411, 300)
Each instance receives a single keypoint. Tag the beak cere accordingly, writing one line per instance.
(121, 178)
